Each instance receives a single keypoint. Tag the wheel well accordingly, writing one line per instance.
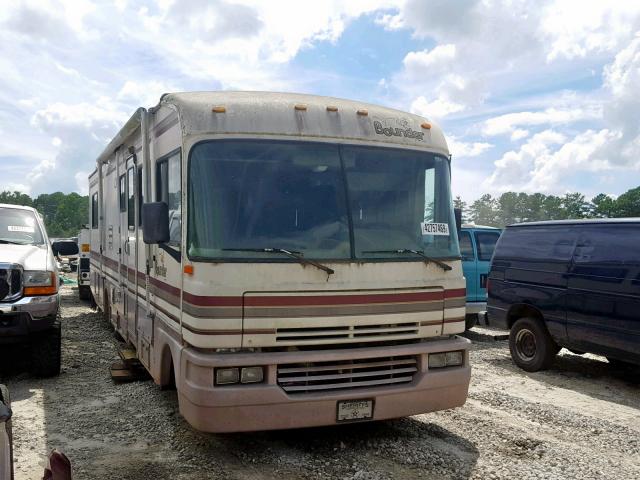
(167, 372)
(520, 311)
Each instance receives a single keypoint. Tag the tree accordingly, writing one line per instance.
(628, 204)
(484, 211)
(574, 205)
(604, 206)
(16, 198)
(462, 205)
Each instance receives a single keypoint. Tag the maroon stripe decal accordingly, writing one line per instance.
(458, 292)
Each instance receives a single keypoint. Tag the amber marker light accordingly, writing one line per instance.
(300, 107)
(85, 247)
(363, 112)
(426, 125)
(188, 269)
(331, 108)
(218, 109)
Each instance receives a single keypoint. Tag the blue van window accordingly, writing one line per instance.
(548, 243)
(486, 242)
(466, 248)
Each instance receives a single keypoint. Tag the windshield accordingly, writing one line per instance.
(247, 195)
(19, 226)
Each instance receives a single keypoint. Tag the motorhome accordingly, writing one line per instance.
(285, 260)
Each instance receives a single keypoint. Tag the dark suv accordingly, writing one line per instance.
(573, 284)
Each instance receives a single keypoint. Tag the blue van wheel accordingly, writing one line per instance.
(531, 346)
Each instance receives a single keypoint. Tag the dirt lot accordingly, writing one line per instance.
(581, 419)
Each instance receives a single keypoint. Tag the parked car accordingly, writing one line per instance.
(477, 243)
(6, 438)
(573, 284)
(29, 300)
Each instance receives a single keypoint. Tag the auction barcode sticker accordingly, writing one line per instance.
(435, 229)
(20, 228)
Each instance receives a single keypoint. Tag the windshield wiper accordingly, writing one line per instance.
(12, 242)
(297, 255)
(420, 253)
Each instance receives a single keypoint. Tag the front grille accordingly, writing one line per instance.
(12, 276)
(347, 332)
(346, 374)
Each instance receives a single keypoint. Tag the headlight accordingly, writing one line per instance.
(39, 282)
(446, 359)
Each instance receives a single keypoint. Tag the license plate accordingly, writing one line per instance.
(350, 410)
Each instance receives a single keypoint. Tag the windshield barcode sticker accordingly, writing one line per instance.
(20, 228)
(435, 229)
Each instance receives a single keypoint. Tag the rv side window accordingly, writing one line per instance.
(168, 190)
(131, 206)
(123, 193)
(94, 211)
(140, 197)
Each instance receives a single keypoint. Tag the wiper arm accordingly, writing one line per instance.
(11, 242)
(420, 253)
(297, 255)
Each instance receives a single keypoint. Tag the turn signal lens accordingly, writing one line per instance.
(86, 247)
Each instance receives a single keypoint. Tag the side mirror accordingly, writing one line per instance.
(457, 213)
(155, 223)
(64, 248)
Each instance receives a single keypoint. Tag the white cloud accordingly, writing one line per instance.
(460, 149)
(438, 108)
(510, 122)
(429, 62)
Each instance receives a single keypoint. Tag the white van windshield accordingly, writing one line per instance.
(19, 226)
(323, 201)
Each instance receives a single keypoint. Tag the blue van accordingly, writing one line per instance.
(573, 284)
(476, 248)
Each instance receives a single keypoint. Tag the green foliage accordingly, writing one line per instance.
(512, 207)
(64, 214)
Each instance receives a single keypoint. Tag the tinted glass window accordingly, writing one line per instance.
(544, 243)
(466, 247)
(486, 242)
(131, 208)
(94, 210)
(608, 244)
(168, 190)
(399, 200)
(254, 195)
(122, 191)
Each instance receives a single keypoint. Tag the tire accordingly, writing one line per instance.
(84, 292)
(4, 393)
(46, 352)
(470, 321)
(531, 346)
(615, 363)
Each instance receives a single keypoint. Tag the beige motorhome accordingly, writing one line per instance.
(287, 260)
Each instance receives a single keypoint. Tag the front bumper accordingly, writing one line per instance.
(267, 406)
(27, 315)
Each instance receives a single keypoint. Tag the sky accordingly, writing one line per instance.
(533, 96)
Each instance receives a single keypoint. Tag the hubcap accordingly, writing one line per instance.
(526, 345)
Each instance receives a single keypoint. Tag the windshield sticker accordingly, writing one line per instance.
(435, 229)
(20, 228)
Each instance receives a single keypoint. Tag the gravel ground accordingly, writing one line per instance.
(581, 419)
